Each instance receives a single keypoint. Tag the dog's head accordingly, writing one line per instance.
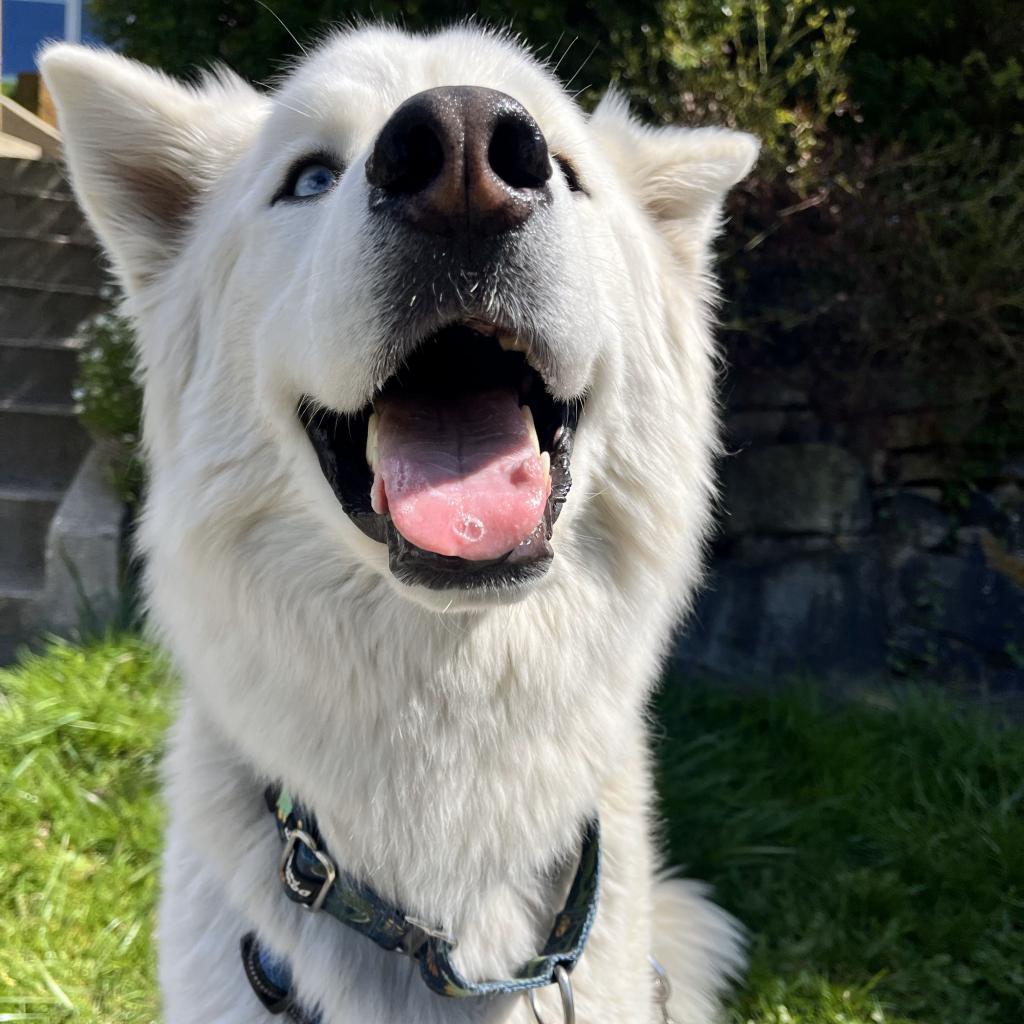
(411, 312)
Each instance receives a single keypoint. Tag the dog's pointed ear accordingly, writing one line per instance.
(141, 147)
(680, 175)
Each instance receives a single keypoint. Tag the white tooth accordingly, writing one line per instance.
(545, 464)
(531, 427)
(378, 497)
(371, 441)
(558, 433)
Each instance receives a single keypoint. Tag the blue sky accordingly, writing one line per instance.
(26, 23)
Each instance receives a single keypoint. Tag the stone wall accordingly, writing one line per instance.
(855, 545)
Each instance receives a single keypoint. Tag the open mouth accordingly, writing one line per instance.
(460, 464)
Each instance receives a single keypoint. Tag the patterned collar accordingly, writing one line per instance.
(311, 878)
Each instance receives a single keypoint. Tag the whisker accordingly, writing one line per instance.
(586, 60)
(554, 70)
(275, 15)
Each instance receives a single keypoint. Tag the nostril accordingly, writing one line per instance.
(422, 160)
(518, 153)
(407, 158)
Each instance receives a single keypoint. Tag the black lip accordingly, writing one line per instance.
(339, 441)
(415, 566)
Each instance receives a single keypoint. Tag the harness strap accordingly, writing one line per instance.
(271, 980)
(311, 878)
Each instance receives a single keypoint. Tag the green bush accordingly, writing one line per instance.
(777, 70)
(883, 224)
(902, 258)
(109, 397)
(935, 69)
(258, 39)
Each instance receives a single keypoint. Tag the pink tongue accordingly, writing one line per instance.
(460, 477)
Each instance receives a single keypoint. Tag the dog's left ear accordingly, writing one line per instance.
(142, 148)
(680, 175)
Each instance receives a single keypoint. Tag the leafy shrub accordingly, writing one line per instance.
(772, 68)
(256, 39)
(909, 258)
(109, 397)
(777, 70)
(883, 225)
(936, 69)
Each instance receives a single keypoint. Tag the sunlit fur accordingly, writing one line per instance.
(451, 747)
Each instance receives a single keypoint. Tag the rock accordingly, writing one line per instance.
(762, 426)
(909, 430)
(83, 549)
(919, 468)
(1013, 469)
(917, 520)
(760, 548)
(891, 390)
(916, 653)
(1010, 500)
(878, 468)
(771, 426)
(933, 494)
(972, 599)
(818, 614)
(793, 489)
(897, 391)
(984, 511)
(767, 389)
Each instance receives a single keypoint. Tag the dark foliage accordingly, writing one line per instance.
(885, 225)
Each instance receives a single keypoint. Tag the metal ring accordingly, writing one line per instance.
(662, 989)
(662, 986)
(564, 990)
(293, 838)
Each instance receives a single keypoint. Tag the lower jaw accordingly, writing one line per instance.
(416, 567)
(413, 566)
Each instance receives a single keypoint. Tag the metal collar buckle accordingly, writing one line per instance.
(290, 879)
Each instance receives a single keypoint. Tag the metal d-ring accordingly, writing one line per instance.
(294, 836)
(565, 991)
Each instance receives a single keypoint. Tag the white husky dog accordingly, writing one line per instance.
(383, 312)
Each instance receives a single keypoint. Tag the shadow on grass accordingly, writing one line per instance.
(875, 854)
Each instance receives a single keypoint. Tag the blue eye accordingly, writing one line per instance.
(310, 178)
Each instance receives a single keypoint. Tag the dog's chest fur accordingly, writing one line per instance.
(455, 776)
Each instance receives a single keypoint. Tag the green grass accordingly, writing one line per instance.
(80, 736)
(877, 855)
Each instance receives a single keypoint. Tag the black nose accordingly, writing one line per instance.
(460, 160)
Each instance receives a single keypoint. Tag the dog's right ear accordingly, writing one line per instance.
(679, 175)
(142, 147)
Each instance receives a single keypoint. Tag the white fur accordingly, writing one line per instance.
(451, 748)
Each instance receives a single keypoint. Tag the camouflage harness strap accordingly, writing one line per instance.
(312, 879)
